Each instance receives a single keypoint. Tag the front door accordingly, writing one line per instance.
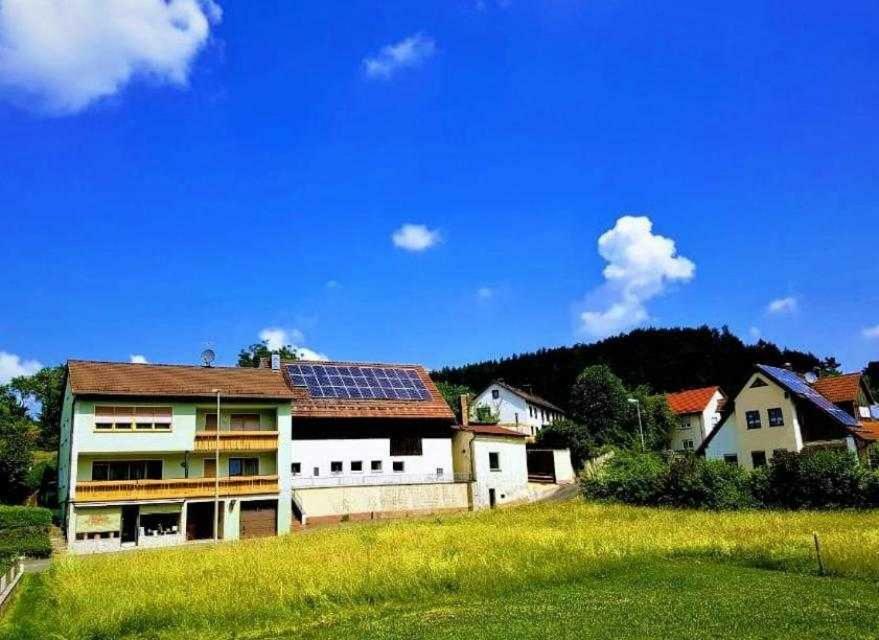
(491, 499)
(130, 515)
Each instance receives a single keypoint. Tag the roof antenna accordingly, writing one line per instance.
(207, 357)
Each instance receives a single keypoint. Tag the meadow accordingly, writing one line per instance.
(572, 569)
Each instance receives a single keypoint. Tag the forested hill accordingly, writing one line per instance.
(664, 359)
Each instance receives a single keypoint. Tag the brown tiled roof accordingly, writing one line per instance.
(305, 406)
(690, 401)
(868, 430)
(492, 430)
(842, 388)
(163, 380)
(530, 397)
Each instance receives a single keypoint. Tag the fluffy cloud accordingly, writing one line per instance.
(415, 237)
(781, 306)
(640, 267)
(871, 332)
(277, 338)
(12, 366)
(137, 358)
(408, 53)
(65, 54)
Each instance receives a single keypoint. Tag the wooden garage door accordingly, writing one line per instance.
(258, 518)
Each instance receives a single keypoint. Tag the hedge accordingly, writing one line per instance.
(25, 531)
(824, 479)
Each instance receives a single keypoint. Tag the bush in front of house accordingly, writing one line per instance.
(24, 531)
(824, 479)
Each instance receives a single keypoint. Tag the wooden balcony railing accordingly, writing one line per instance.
(100, 490)
(205, 441)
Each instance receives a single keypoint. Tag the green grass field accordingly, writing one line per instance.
(573, 570)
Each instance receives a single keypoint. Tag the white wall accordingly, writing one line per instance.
(510, 483)
(725, 442)
(436, 453)
(696, 426)
(512, 409)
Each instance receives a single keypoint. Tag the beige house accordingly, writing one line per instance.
(698, 411)
(778, 410)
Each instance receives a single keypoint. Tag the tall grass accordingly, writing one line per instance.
(210, 591)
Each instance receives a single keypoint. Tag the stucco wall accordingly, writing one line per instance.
(345, 501)
(510, 483)
(564, 468)
(512, 409)
(765, 438)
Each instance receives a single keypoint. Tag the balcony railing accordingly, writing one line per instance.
(100, 490)
(373, 479)
(206, 441)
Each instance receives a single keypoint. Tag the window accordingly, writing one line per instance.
(731, 458)
(494, 461)
(530, 411)
(357, 466)
(405, 445)
(210, 422)
(758, 459)
(439, 472)
(315, 472)
(133, 418)
(243, 421)
(336, 467)
(776, 417)
(752, 418)
(688, 445)
(376, 466)
(127, 470)
(685, 424)
(243, 466)
(399, 466)
(296, 468)
(495, 394)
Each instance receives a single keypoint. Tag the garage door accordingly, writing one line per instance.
(258, 518)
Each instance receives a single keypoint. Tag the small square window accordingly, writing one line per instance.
(296, 468)
(399, 466)
(356, 466)
(495, 394)
(439, 471)
(376, 466)
(335, 467)
(776, 417)
(752, 419)
(758, 459)
(731, 458)
(688, 445)
(494, 461)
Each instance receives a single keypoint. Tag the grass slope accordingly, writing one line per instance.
(512, 573)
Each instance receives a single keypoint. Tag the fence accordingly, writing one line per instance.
(9, 580)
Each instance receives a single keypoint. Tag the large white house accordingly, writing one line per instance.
(778, 410)
(516, 409)
(147, 460)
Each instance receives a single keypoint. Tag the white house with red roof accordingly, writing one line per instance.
(698, 410)
(517, 409)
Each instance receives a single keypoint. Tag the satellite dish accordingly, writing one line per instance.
(810, 377)
(208, 356)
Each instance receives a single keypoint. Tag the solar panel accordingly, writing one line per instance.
(358, 383)
(799, 386)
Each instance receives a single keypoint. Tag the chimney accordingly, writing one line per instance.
(263, 362)
(276, 362)
(465, 410)
(788, 366)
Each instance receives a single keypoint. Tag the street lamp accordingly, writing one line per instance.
(637, 404)
(217, 471)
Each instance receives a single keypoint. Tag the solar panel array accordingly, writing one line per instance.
(799, 386)
(358, 383)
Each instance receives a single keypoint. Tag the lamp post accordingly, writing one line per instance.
(217, 471)
(637, 404)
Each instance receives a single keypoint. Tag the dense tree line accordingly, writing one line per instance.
(662, 359)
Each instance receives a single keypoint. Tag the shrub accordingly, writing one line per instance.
(711, 484)
(635, 478)
(814, 480)
(14, 517)
(25, 531)
(567, 434)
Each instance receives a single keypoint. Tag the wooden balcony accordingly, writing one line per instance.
(101, 491)
(205, 441)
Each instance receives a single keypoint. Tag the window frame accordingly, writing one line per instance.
(754, 461)
(244, 463)
(375, 466)
(402, 465)
(357, 462)
(753, 425)
(146, 462)
(337, 467)
(133, 418)
(779, 414)
(296, 468)
(494, 461)
(731, 458)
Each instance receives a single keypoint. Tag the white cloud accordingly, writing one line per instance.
(640, 267)
(415, 237)
(408, 53)
(485, 293)
(276, 338)
(12, 366)
(66, 54)
(755, 333)
(871, 332)
(137, 358)
(783, 305)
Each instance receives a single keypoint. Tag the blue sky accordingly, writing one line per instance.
(199, 173)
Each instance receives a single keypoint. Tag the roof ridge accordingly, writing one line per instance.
(170, 365)
(356, 363)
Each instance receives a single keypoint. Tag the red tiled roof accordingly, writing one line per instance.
(690, 401)
(492, 430)
(304, 406)
(127, 379)
(868, 430)
(842, 388)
